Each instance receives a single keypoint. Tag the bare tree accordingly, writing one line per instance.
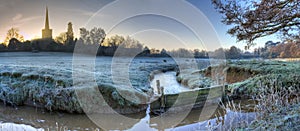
(97, 35)
(13, 33)
(252, 19)
(233, 53)
(93, 37)
(84, 35)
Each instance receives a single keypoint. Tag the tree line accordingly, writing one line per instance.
(289, 49)
(95, 40)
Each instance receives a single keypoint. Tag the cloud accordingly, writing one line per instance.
(27, 19)
(17, 17)
(20, 20)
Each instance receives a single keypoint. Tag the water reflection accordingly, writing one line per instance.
(17, 127)
(28, 118)
(223, 118)
(39, 118)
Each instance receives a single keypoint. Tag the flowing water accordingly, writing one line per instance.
(168, 81)
(29, 118)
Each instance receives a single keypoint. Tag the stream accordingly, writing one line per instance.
(31, 119)
(168, 80)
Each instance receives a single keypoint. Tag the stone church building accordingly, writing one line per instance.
(47, 32)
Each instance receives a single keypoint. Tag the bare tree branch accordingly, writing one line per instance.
(252, 19)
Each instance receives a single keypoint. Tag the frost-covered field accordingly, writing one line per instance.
(46, 79)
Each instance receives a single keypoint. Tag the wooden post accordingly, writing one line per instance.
(225, 89)
(162, 99)
(158, 86)
(160, 90)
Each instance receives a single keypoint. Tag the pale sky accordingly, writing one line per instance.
(154, 31)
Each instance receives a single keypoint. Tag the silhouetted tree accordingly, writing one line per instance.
(146, 51)
(2, 47)
(233, 53)
(154, 51)
(131, 46)
(70, 34)
(200, 54)
(14, 44)
(25, 46)
(90, 41)
(163, 52)
(126, 46)
(84, 36)
(218, 53)
(130, 42)
(181, 52)
(253, 19)
(97, 35)
(114, 41)
(13, 33)
(66, 38)
(62, 38)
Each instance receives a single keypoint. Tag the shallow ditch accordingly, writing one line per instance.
(227, 117)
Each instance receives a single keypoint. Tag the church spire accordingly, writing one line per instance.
(47, 32)
(47, 19)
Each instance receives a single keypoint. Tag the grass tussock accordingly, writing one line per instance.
(278, 106)
(275, 86)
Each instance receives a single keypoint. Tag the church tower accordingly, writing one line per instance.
(47, 32)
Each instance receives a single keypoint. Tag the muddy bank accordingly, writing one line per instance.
(246, 77)
(45, 92)
(231, 73)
